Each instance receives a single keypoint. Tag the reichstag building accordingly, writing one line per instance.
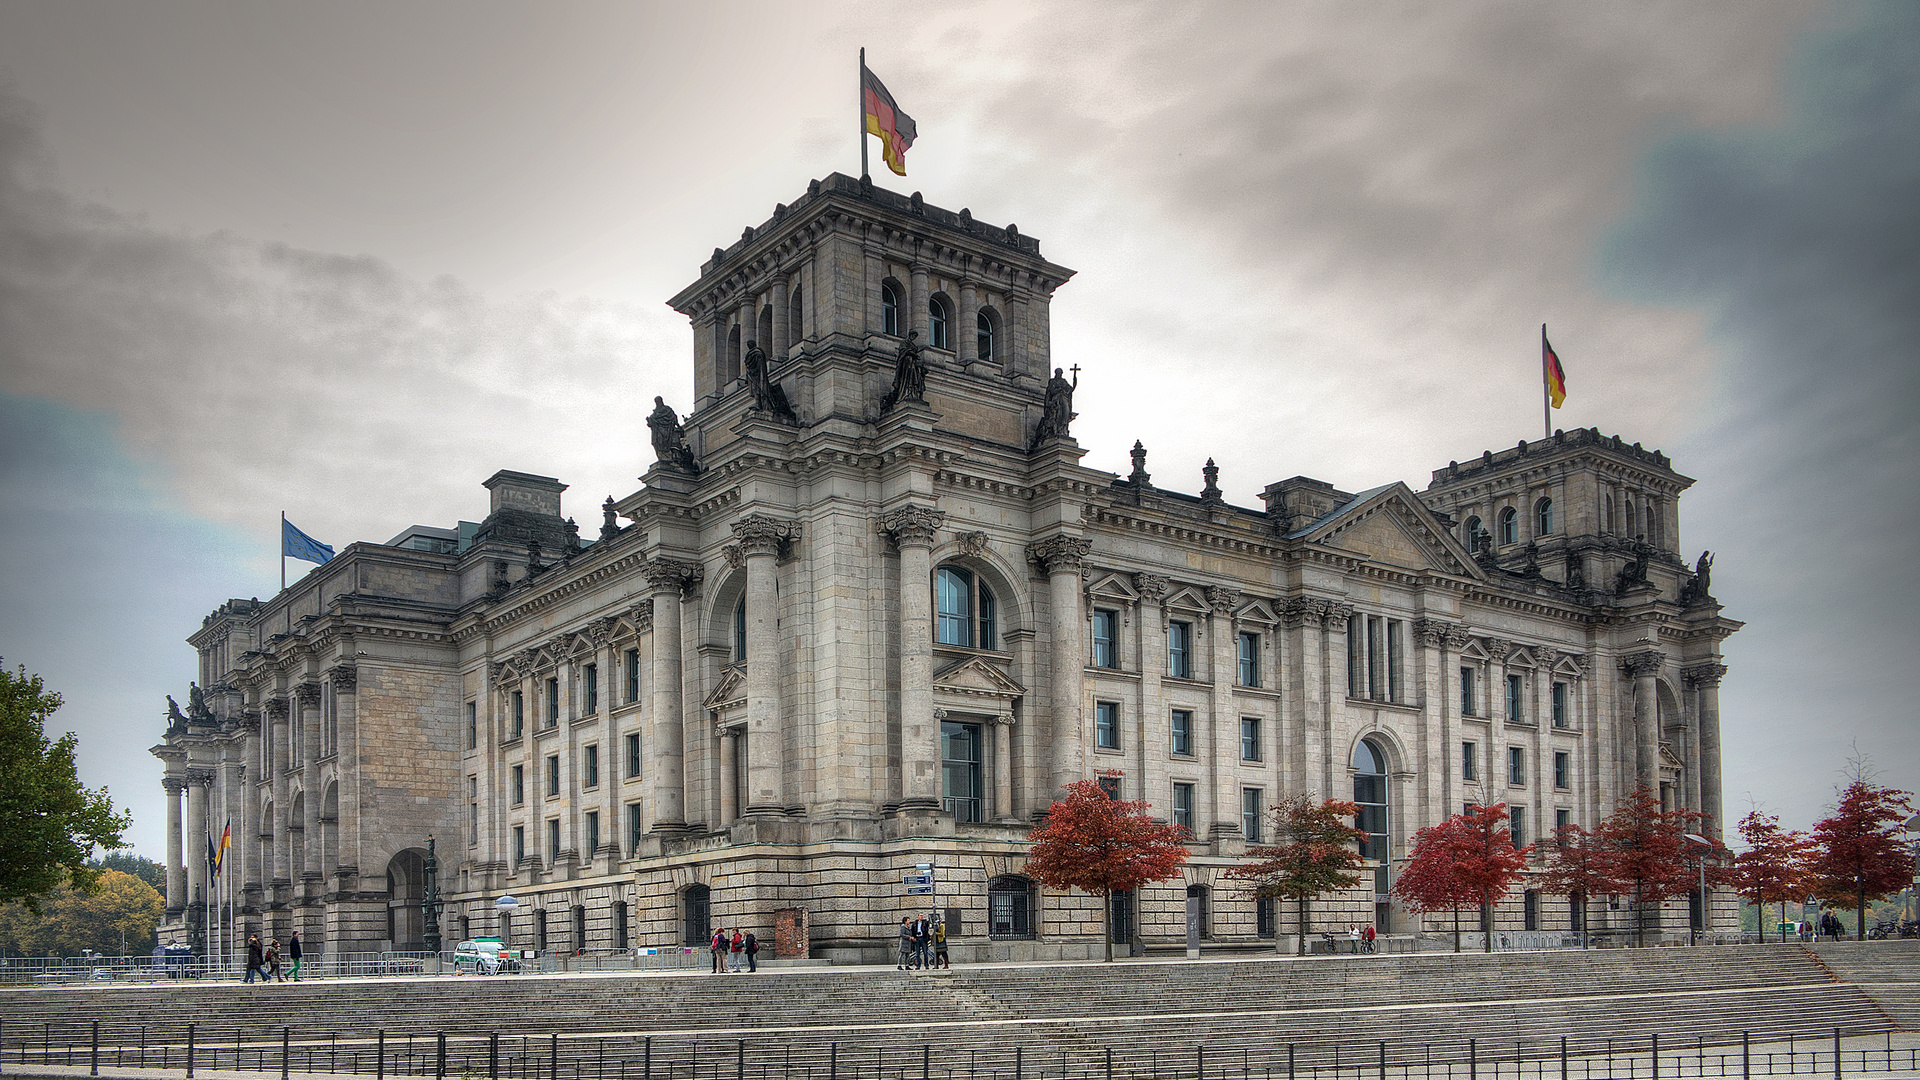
(868, 612)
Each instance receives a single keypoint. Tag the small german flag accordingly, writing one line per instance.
(894, 129)
(1556, 379)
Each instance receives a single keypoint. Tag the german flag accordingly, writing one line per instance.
(1550, 370)
(895, 129)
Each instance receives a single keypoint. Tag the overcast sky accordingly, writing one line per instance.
(347, 260)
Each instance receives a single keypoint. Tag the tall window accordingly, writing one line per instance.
(519, 844)
(633, 675)
(1375, 658)
(1516, 766)
(964, 609)
(1181, 729)
(1183, 806)
(740, 630)
(1469, 761)
(1562, 770)
(984, 337)
(1106, 638)
(593, 832)
(473, 809)
(1509, 526)
(1530, 910)
(553, 701)
(1543, 517)
(1561, 820)
(1249, 658)
(1517, 825)
(1180, 650)
(619, 924)
(1265, 920)
(1516, 700)
(960, 770)
(519, 713)
(1559, 704)
(1010, 908)
(1249, 738)
(473, 726)
(1370, 792)
(1106, 725)
(1475, 530)
(553, 839)
(633, 756)
(1466, 691)
(1110, 787)
(1250, 813)
(634, 828)
(519, 784)
(590, 677)
(890, 308)
(553, 775)
(590, 765)
(939, 320)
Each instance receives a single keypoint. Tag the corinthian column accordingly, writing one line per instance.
(666, 789)
(1222, 722)
(1003, 767)
(282, 799)
(176, 869)
(1705, 680)
(1062, 557)
(760, 539)
(913, 529)
(199, 779)
(1643, 666)
(306, 698)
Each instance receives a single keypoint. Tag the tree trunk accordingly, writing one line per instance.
(1106, 923)
(1456, 928)
(1860, 915)
(1486, 922)
(1303, 926)
(1639, 918)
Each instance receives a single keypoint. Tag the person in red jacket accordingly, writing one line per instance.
(738, 947)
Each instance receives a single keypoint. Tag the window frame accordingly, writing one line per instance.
(519, 713)
(1467, 690)
(940, 321)
(1180, 733)
(1509, 525)
(633, 675)
(473, 725)
(1516, 698)
(1249, 650)
(890, 308)
(1469, 761)
(1021, 904)
(590, 766)
(590, 686)
(553, 840)
(592, 826)
(1179, 649)
(634, 762)
(1563, 770)
(1562, 713)
(519, 782)
(986, 336)
(553, 701)
(1252, 808)
(1543, 516)
(1181, 805)
(635, 828)
(1106, 725)
(1250, 748)
(553, 776)
(964, 808)
(980, 617)
(1517, 766)
(1106, 646)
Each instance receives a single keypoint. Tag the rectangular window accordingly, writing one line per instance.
(1106, 638)
(590, 677)
(519, 784)
(634, 829)
(1110, 787)
(1396, 660)
(519, 844)
(553, 839)
(1250, 813)
(1515, 699)
(1517, 825)
(1562, 769)
(553, 775)
(590, 766)
(1180, 650)
(519, 713)
(633, 756)
(473, 726)
(1469, 761)
(1560, 705)
(1376, 681)
(1249, 738)
(1183, 806)
(1182, 732)
(963, 793)
(1561, 820)
(553, 702)
(633, 675)
(1106, 725)
(1356, 656)
(473, 809)
(1265, 922)
(593, 832)
(1249, 658)
(1516, 766)
(1466, 691)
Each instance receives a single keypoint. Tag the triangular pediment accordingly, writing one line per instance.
(1566, 664)
(1670, 760)
(1260, 612)
(732, 689)
(1185, 598)
(1113, 587)
(1473, 650)
(976, 676)
(1520, 657)
(1390, 525)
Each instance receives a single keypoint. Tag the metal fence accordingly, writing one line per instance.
(642, 1057)
(95, 970)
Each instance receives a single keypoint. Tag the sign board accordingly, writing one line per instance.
(918, 884)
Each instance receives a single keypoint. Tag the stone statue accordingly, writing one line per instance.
(175, 720)
(1697, 587)
(196, 702)
(1057, 412)
(1634, 574)
(909, 375)
(767, 395)
(669, 438)
(1576, 572)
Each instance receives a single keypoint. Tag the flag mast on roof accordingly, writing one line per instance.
(883, 119)
(1553, 383)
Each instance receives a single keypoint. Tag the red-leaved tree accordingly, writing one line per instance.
(1427, 882)
(1773, 868)
(1579, 868)
(1857, 854)
(1315, 849)
(1488, 863)
(1646, 852)
(1092, 843)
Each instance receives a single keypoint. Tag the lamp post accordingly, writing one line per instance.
(1907, 829)
(430, 904)
(1706, 848)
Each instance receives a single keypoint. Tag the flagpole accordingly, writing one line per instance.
(283, 545)
(1546, 392)
(862, 113)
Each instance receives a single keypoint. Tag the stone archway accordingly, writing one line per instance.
(406, 891)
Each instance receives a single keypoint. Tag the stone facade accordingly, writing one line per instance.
(845, 631)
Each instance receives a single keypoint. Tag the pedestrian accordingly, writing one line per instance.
(906, 944)
(940, 944)
(923, 942)
(1353, 939)
(294, 953)
(717, 942)
(256, 958)
(273, 961)
(737, 948)
(753, 950)
(1367, 937)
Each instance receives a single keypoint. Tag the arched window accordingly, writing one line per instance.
(732, 371)
(890, 308)
(1475, 530)
(1509, 526)
(1010, 907)
(986, 336)
(795, 330)
(964, 609)
(740, 629)
(1370, 792)
(1543, 517)
(939, 322)
(763, 337)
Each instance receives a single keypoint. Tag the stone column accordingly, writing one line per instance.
(306, 698)
(1705, 680)
(1062, 557)
(666, 786)
(749, 329)
(967, 346)
(346, 825)
(1643, 666)
(1333, 627)
(1436, 722)
(1149, 733)
(913, 529)
(176, 869)
(1003, 767)
(199, 782)
(283, 869)
(1222, 738)
(777, 351)
(760, 539)
(917, 286)
(729, 776)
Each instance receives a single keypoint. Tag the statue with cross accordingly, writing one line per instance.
(1057, 411)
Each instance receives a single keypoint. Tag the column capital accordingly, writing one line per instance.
(758, 534)
(913, 526)
(1641, 663)
(1222, 600)
(174, 784)
(200, 775)
(344, 677)
(307, 695)
(1060, 554)
(1434, 633)
(277, 709)
(1700, 675)
(1151, 587)
(1004, 720)
(665, 574)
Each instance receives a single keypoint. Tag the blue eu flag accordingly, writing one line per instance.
(298, 545)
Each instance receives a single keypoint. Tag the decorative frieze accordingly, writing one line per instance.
(1222, 600)
(1151, 587)
(973, 544)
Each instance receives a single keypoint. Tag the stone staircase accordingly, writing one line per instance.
(1063, 1017)
(1889, 972)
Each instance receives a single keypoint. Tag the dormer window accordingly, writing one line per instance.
(964, 609)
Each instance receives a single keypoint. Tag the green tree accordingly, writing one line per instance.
(49, 824)
(139, 866)
(116, 918)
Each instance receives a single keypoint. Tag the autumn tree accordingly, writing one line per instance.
(1100, 846)
(1487, 863)
(1427, 882)
(1857, 854)
(1315, 849)
(1645, 850)
(1773, 868)
(117, 918)
(1579, 868)
(139, 866)
(49, 823)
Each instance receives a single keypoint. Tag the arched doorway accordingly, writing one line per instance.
(696, 905)
(406, 891)
(1370, 792)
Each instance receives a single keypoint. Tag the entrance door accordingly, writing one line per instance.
(699, 910)
(1121, 906)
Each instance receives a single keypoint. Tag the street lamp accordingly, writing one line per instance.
(1907, 829)
(430, 904)
(1706, 849)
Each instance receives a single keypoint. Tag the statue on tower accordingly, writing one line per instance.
(909, 375)
(767, 395)
(1057, 412)
(669, 438)
(176, 721)
(197, 703)
(1696, 589)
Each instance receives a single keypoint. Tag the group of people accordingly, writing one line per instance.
(923, 943)
(1362, 938)
(733, 948)
(266, 960)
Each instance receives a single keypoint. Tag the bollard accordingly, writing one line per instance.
(440, 1059)
(93, 1051)
(1200, 1063)
(1836, 1054)
(1563, 1057)
(189, 1052)
(646, 1061)
(493, 1055)
(286, 1036)
(1016, 1061)
(1746, 1058)
(1473, 1060)
(1109, 1063)
(833, 1061)
(1656, 1056)
(553, 1058)
(1383, 1059)
(380, 1056)
(1289, 1061)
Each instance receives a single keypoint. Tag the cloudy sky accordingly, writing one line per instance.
(347, 260)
